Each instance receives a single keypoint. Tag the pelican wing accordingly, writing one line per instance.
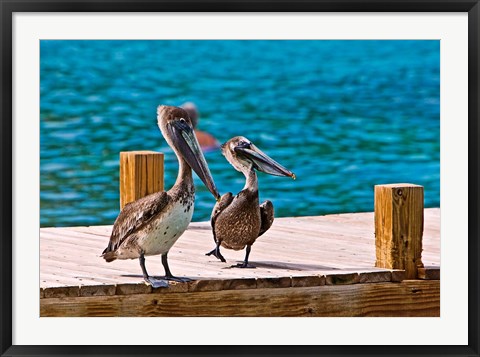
(223, 203)
(134, 216)
(266, 215)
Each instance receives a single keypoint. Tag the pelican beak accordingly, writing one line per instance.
(261, 161)
(185, 140)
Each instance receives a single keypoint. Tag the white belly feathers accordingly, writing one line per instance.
(161, 234)
(164, 231)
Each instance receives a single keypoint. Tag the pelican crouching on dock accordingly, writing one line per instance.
(237, 221)
(151, 225)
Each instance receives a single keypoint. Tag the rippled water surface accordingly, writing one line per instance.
(343, 115)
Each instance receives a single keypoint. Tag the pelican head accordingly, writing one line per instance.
(192, 111)
(243, 156)
(177, 129)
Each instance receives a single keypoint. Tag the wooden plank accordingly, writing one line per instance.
(274, 283)
(100, 233)
(375, 277)
(342, 279)
(409, 298)
(98, 290)
(398, 275)
(399, 227)
(308, 280)
(221, 284)
(299, 254)
(61, 292)
(96, 260)
(141, 173)
(327, 227)
(86, 271)
(49, 280)
(429, 273)
(129, 289)
(80, 241)
(103, 231)
(66, 278)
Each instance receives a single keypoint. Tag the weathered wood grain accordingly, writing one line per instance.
(429, 273)
(309, 280)
(409, 298)
(296, 251)
(375, 277)
(61, 292)
(141, 173)
(399, 227)
(99, 288)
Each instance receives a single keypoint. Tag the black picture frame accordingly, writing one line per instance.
(9, 7)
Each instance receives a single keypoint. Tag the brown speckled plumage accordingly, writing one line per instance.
(237, 221)
(141, 217)
(238, 224)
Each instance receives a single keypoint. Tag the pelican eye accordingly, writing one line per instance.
(182, 120)
(244, 144)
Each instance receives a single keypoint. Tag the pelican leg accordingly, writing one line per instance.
(153, 282)
(168, 274)
(245, 264)
(216, 253)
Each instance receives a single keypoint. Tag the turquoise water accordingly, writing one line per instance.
(342, 115)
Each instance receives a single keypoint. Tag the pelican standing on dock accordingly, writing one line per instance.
(237, 221)
(151, 225)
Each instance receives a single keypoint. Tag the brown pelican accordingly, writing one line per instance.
(237, 221)
(152, 224)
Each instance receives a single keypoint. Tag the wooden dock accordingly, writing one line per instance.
(305, 266)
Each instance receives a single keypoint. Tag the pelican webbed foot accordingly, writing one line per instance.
(244, 264)
(168, 274)
(177, 279)
(156, 283)
(216, 253)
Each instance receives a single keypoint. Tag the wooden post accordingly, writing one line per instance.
(399, 227)
(141, 173)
